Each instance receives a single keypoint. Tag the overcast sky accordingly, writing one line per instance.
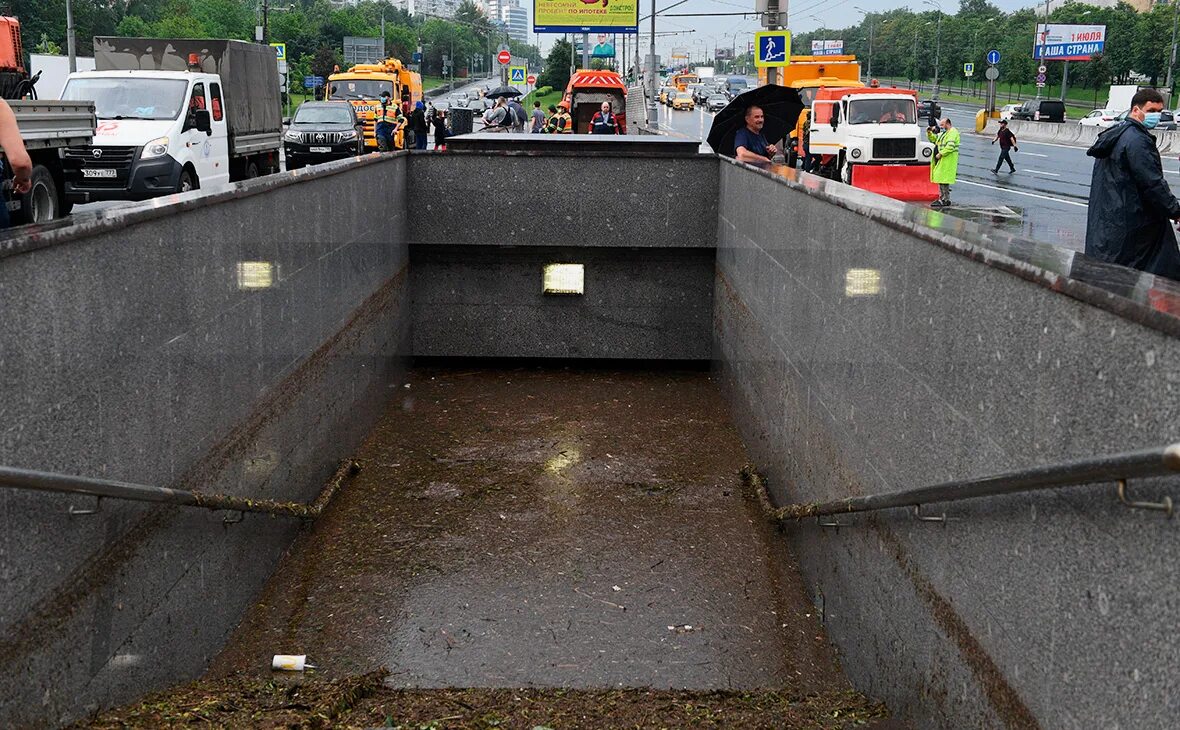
(721, 30)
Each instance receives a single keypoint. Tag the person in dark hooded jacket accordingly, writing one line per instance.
(1131, 205)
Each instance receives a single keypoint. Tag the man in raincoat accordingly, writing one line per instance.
(1131, 205)
(944, 165)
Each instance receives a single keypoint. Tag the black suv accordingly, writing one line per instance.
(322, 131)
(1040, 110)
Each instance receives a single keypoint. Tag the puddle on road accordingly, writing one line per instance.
(548, 528)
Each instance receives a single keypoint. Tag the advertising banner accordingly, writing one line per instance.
(602, 45)
(1055, 42)
(723, 54)
(827, 48)
(585, 16)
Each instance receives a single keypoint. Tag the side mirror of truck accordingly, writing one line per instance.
(835, 116)
(202, 122)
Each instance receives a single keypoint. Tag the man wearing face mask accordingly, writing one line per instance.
(1131, 205)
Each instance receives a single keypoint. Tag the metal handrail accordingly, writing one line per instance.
(1116, 468)
(108, 488)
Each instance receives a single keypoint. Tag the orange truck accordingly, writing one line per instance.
(587, 90)
(681, 80)
(362, 86)
(871, 138)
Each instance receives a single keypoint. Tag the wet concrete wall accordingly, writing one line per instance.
(239, 342)
(482, 228)
(865, 349)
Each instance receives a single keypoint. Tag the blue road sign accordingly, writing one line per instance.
(310, 82)
(772, 48)
(417, 57)
(517, 74)
(993, 57)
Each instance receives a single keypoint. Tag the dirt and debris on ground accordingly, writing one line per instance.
(365, 702)
(580, 533)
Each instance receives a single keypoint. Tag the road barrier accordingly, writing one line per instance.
(1073, 134)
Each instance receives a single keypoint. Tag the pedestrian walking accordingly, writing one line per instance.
(419, 126)
(749, 143)
(1131, 205)
(1007, 142)
(386, 119)
(439, 121)
(519, 116)
(17, 155)
(604, 121)
(538, 117)
(944, 165)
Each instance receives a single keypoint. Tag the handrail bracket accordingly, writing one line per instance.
(1164, 506)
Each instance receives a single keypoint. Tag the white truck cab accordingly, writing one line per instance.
(868, 127)
(158, 132)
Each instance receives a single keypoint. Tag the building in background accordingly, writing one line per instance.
(515, 20)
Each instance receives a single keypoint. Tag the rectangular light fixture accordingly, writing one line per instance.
(255, 275)
(563, 279)
(862, 282)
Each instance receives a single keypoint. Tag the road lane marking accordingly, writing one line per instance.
(1030, 154)
(1042, 172)
(1021, 192)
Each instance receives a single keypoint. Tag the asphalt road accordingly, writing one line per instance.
(1044, 200)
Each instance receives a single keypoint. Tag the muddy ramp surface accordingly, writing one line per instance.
(541, 528)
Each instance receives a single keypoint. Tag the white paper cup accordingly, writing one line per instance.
(289, 662)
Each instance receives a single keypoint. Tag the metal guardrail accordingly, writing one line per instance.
(108, 488)
(1116, 468)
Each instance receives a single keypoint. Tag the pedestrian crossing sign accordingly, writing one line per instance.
(772, 48)
(517, 74)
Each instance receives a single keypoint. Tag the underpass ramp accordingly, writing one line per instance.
(910, 183)
(581, 533)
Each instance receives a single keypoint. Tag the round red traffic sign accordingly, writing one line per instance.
(532, 80)
(504, 58)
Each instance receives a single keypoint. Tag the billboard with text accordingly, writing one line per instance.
(827, 48)
(1056, 42)
(585, 16)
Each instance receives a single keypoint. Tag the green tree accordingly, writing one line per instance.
(47, 47)
(557, 66)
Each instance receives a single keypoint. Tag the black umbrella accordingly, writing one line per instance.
(502, 91)
(780, 105)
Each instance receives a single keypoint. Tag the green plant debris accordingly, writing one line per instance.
(364, 702)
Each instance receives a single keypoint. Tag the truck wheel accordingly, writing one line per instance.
(846, 173)
(41, 203)
(188, 181)
(251, 170)
(792, 158)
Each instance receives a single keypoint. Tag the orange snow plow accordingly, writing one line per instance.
(910, 183)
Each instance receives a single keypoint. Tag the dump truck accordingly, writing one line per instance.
(681, 80)
(809, 74)
(870, 138)
(587, 90)
(174, 115)
(362, 86)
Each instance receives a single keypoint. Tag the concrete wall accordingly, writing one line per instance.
(131, 350)
(482, 227)
(967, 357)
(1072, 133)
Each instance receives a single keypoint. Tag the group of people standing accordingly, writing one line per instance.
(510, 116)
(400, 127)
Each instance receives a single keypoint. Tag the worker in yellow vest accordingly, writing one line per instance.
(386, 121)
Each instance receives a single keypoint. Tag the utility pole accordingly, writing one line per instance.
(1171, 63)
(652, 74)
(585, 50)
(773, 24)
(867, 14)
(72, 43)
(937, 40)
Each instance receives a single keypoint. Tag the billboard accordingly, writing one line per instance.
(602, 45)
(363, 50)
(585, 16)
(723, 54)
(827, 48)
(1055, 42)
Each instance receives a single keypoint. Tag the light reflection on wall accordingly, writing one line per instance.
(256, 275)
(862, 282)
(563, 279)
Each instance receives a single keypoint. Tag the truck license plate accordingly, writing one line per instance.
(99, 172)
(319, 149)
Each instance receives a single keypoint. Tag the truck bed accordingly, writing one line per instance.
(51, 124)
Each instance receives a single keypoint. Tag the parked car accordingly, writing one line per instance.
(927, 109)
(1100, 118)
(717, 102)
(1040, 110)
(322, 131)
(683, 100)
(1007, 109)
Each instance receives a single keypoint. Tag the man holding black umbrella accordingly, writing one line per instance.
(749, 143)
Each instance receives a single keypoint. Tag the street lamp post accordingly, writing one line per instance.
(867, 14)
(937, 41)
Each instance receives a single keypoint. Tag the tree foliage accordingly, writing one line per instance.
(905, 43)
(557, 66)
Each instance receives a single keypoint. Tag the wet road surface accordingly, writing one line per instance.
(546, 528)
